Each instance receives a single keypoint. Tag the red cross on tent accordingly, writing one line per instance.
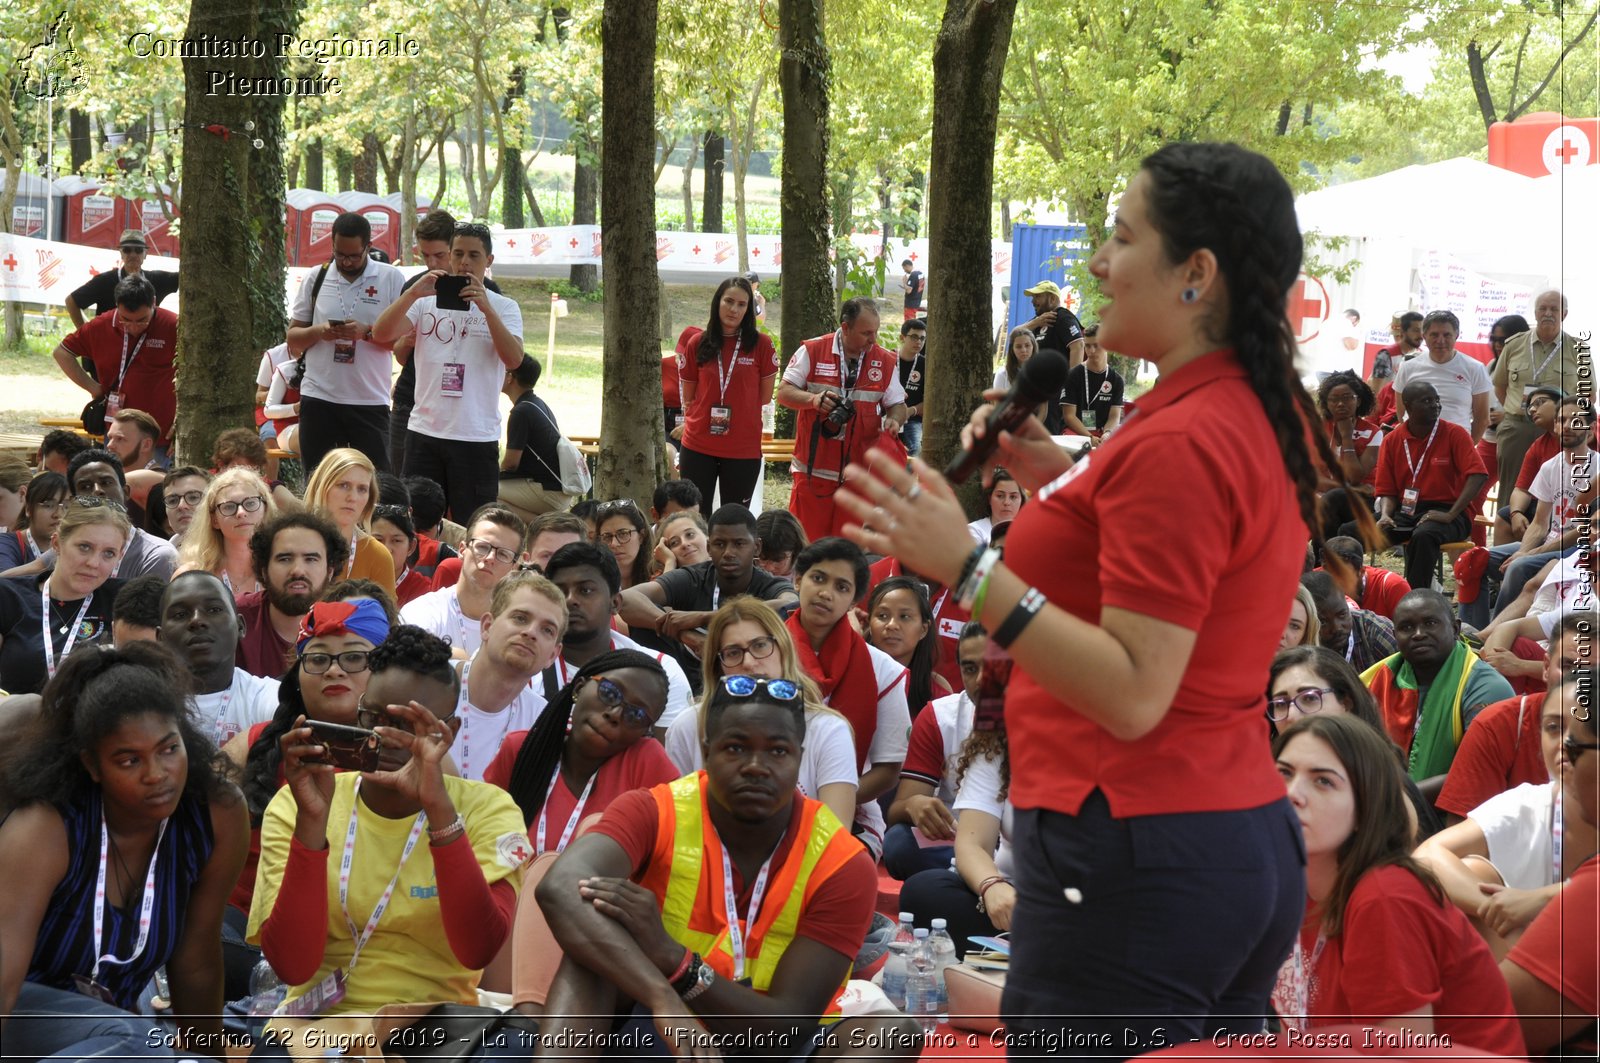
(11, 263)
(1308, 308)
(511, 243)
(912, 256)
(696, 249)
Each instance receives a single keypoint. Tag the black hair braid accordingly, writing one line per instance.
(540, 756)
(417, 651)
(259, 780)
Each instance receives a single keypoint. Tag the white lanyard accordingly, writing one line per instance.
(1350, 646)
(146, 907)
(49, 636)
(461, 626)
(723, 378)
(1555, 349)
(463, 703)
(350, 564)
(1300, 984)
(540, 834)
(228, 583)
(1088, 399)
(344, 875)
(730, 904)
(227, 696)
(847, 380)
(716, 591)
(127, 359)
(1405, 447)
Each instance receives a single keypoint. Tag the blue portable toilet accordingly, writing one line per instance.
(1040, 253)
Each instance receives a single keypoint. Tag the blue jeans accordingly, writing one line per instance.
(65, 1025)
(1149, 930)
(911, 436)
(903, 857)
(1518, 575)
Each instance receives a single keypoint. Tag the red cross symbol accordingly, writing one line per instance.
(696, 249)
(1308, 308)
(371, 291)
(93, 272)
(511, 243)
(1566, 152)
(912, 256)
(11, 263)
(574, 243)
(756, 251)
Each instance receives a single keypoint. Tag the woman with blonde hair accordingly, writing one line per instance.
(1303, 628)
(234, 505)
(343, 488)
(44, 617)
(745, 637)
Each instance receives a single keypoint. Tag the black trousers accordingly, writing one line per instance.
(399, 421)
(468, 472)
(1423, 539)
(738, 477)
(326, 425)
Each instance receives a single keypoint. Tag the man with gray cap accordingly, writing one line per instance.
(98, 293)
(1545, 356)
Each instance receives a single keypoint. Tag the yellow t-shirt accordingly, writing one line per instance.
(408, 957)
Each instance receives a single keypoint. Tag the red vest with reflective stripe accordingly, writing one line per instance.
(827, 374)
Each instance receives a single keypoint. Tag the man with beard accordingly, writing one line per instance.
(198, 622)
(591, 581)
(294, 555)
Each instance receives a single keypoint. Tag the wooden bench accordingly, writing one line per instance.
(20, 445)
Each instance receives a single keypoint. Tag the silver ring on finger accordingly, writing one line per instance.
(916, 489)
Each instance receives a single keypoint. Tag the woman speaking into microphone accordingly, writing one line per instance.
(1163, 884)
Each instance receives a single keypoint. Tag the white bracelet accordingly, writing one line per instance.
(968, 591)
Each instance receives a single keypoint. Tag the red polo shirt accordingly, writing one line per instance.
(149, 383)
(742, 370)
(1442, 467)
(1166, 519)
(948, 619)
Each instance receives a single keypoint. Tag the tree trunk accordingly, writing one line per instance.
(688, 187)
(741, 162)
(12, 339)
(409, 168)
(345, 169)
(969, 56)
(1478, 73)
(78, 139)
(313, 157)
(711, 200)
(912, 192)
(842, 188)
(586, 194)
(803, 73)
(511, 197)
(533, 203)
(630, 417)
(233, 231)
(1005, 219)
(365, 173)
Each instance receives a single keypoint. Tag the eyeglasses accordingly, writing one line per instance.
(1573, 747)
(636, 717)
(483, 550)
(130, 250)
(370, 718)
(187, 498)
(249, 505)
(621, 537)
(50, 507)
(760, 648)
(96, 502)
(1307, 701)
(744, 686)
(350, 662)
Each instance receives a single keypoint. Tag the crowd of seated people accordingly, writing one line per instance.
(404, 759)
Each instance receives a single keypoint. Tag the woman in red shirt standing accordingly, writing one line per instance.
(725, 375)
(1165, 882)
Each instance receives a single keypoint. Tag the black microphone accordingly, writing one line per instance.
(1041, 379)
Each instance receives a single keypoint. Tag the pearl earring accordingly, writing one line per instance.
(1190, 294)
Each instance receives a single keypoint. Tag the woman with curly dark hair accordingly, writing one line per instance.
(976, 896)
(725, 375)
(131, 838)
(1344, 400)
(423, 920)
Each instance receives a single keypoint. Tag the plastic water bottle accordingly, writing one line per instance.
(897, 967)
(922, 1002)
(267, 991)
(943, 950)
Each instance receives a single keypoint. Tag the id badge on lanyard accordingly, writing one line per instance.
(1408, 501)
(114, 397)
(454, 380)
(722, 414)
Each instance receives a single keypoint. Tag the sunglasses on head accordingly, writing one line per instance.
(744, 686)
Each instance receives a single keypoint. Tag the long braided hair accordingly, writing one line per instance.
(540, 756)
(1236, 204)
